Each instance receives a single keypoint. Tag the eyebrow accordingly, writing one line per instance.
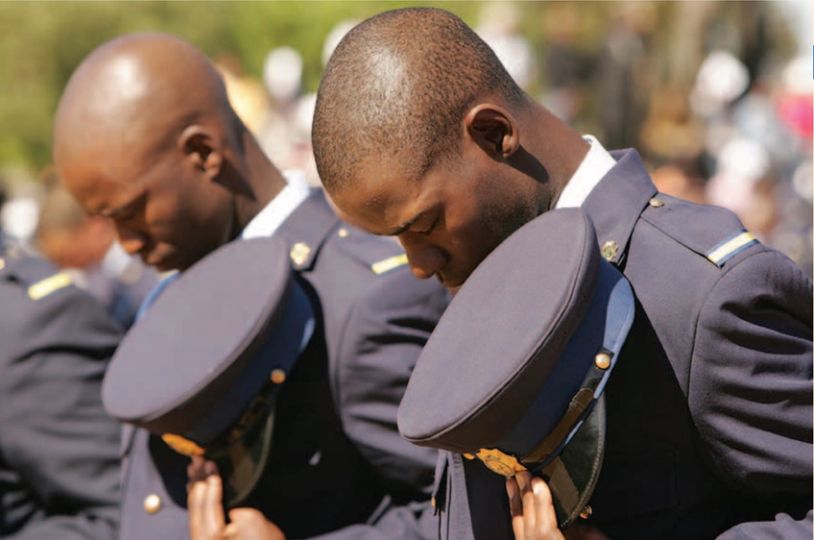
(406, 225)
(122, 209)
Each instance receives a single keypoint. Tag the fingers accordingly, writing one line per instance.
(204, 501)
(251, 524)
(195, 469)
(544, 512)
(532, 508)
(515, 508)
(529, 507)
(214, 497)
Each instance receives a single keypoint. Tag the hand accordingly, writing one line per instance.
(532, 509)
(206, 517)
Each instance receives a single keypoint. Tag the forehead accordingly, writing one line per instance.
(100, 180)
(379, 198)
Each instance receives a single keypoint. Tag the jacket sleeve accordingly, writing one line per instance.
(750, 390)
(381, 342)
(54, 434)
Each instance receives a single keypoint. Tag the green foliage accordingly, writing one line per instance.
(42, 42)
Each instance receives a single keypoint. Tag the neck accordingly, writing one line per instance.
(558, 147)
(264, 181)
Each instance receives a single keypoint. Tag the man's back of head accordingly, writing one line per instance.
(420, 133)
(402, 80)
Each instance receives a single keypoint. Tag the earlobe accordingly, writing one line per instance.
(200, 146)
(493, 129)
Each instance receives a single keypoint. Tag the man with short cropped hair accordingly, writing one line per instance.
(419, 133)
(145, 135)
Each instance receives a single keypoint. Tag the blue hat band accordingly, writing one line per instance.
(280, 350)
(580, 376)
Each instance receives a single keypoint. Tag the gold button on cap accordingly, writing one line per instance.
(602, 360)
(609, 250)
(152, 503)
(277, 376)
(655, 203)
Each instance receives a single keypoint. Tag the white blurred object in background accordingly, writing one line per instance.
(282, 74)
(721, 78)
(19, 216)
(499, 28)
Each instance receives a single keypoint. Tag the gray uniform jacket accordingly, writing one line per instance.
(339, 468)
(59, 467)
(710, 408)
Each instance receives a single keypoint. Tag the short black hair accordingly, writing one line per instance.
(398, 85)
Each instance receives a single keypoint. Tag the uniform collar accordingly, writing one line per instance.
(307, 228)
(617, 201)
(269, 219)
(594, 166)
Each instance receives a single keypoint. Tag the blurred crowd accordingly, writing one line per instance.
(717, 114)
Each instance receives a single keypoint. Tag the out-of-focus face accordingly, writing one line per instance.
(449, 220)
(164, 208)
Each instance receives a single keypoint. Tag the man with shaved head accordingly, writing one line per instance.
(419, 133)
(145, 136)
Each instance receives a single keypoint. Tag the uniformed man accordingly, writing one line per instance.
(59, 461)
(241, 342)
(419, 133)
(144, 135)
(534, 398)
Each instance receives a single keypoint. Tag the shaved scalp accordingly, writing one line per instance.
(137, 91)
(398, 86)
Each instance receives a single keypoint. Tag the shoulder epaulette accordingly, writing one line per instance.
(731, 247)
(389, 263)
(49, 285)
(380, 255)
(712, 232)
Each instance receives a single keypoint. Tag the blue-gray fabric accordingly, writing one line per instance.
(59, 469)
(485, 345)
(335, 422)
(604, 328)
(207, 344)
(522, 378)
(709, 412)
(518, 375)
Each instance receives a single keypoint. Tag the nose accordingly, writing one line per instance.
(132, 241)
(425, 259)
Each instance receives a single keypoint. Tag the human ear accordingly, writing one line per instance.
(493, 129)
(200, 145)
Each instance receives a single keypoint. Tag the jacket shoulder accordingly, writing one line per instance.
(714, 233)
(374, 255)
(36, 277)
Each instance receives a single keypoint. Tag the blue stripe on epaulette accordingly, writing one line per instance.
(730, 247)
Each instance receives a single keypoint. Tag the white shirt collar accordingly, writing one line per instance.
(595, 165)
(269, 219)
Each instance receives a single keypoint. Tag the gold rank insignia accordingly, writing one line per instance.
(43, 288)
(299, 253)
(182, 445)
(731, 247)
(499, 462)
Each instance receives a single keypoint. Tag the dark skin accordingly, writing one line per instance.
(513, 163)
(144, 136)
(207, 518)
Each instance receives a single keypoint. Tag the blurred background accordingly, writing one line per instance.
(717, 97)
